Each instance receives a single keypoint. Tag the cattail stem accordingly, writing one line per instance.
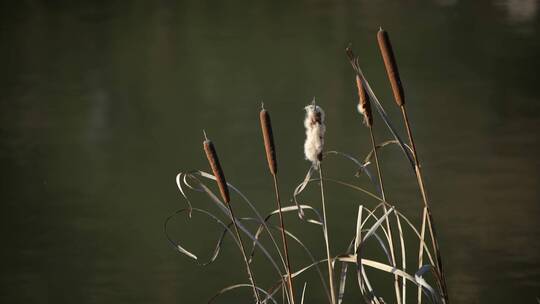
(364, 107)
(244, 256)
(215, 165)
(284, 238)
(390, 237)
(270, 149)
(390, 64)
(326, 240)
(375, 154)
(427, 218)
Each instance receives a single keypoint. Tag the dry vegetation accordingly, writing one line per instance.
(381, 221)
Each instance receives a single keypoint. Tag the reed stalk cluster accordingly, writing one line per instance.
(383, 220)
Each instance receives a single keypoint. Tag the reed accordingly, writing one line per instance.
(390, 64)
(326, 238)
(215, 166)
(364, 108)
(268, 137)
(270, 149)
(370, 223)
(313, 150)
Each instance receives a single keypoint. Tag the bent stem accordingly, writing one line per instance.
(327, 243)
(285, 246)
(389, 236)
(426, 216)
(243, 250)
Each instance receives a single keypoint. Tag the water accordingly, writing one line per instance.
(102, 104)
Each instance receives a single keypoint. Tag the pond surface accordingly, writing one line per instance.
(103, 104)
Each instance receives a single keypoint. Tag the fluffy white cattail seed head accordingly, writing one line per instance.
(315, 129)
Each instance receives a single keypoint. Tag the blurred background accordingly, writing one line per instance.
(103, 103)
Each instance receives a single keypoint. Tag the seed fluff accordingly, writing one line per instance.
(315, 129)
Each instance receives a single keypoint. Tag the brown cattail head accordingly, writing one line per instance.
(213, 160)
(364, 105)
(266, 126)
(391, 66)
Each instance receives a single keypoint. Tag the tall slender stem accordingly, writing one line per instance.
(375, 154)
(421, 250)
(390, 237)
(426, 217)
(327, 242)
(284, 238)
(243, 250)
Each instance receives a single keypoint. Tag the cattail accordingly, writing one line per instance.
(391, 66)
(313, 150)
(364, 106)
(266, 126)
(315, 129)
(213, 160)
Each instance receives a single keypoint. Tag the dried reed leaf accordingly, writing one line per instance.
(197, 185)
(310, 255)
(214, 198)
(236, 286)
(304, 293)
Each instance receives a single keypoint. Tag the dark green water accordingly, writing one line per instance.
(102, 104)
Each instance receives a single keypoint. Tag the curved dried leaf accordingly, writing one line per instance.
(236, 286)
